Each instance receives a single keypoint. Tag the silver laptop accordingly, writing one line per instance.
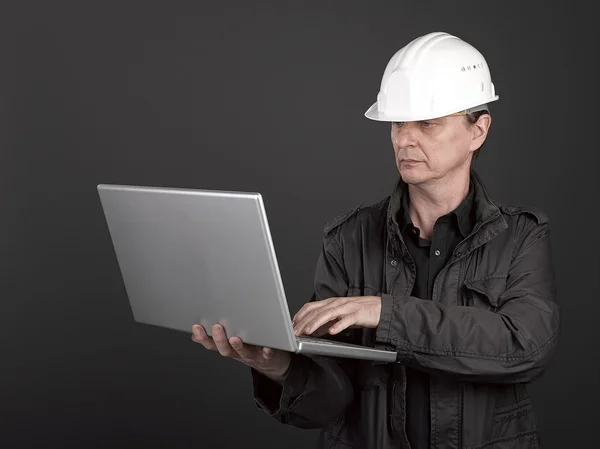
(205, 257)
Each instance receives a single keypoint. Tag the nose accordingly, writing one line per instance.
(404, 135)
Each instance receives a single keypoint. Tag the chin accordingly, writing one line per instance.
(412, 175)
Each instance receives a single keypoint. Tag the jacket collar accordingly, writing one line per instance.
(463, 215)
(483, 210)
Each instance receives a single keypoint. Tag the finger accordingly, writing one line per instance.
(199, 336)
(304, 310)
(310, 307)
(324, 329)
(315, 310)
(342, 324)
(314, 322)
(332, 313)
(223, 346)
(246, 353)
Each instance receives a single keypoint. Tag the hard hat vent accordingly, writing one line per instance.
(470, 67)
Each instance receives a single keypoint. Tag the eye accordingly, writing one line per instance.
(427, 124)
(398, 124)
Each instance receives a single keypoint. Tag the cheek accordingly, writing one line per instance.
(447, 155)
(439, 154)
(461, 139)
(394, 145)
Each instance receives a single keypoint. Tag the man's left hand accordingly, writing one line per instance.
(333, 315)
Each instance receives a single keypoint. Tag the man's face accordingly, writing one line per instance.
(431, 149)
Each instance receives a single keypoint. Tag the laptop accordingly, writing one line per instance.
(204, 257)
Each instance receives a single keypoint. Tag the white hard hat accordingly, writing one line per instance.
(433, 76)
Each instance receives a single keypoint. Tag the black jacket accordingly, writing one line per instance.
(491, 327)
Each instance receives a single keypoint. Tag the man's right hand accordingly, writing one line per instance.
(272, 363)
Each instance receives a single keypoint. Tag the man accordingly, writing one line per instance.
(461, 287)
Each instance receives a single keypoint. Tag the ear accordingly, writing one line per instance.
(479, 131)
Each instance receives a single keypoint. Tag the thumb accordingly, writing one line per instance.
(267, 353)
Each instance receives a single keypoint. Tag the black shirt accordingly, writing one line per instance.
(429, 256)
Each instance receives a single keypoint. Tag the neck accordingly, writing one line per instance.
(435, 199)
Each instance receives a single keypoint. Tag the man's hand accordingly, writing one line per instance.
(271, 362)
(333, 315)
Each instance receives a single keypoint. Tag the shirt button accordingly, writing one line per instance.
(394, 263)
(437, 252)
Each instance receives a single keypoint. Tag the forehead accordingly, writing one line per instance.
(453, 118)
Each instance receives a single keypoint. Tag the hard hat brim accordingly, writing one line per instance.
(373, 113)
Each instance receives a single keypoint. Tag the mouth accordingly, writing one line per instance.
(409, 161)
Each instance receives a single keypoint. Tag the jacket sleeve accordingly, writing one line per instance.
(316, 389)
(511, 344)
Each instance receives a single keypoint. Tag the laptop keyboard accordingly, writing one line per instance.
(316, 340)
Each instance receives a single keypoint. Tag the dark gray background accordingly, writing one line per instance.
(262, 97)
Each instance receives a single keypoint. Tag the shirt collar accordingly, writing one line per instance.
(463, 214)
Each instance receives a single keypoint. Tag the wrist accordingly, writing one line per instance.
(279, 375)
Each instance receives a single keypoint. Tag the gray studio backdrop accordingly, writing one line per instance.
(264, 97)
